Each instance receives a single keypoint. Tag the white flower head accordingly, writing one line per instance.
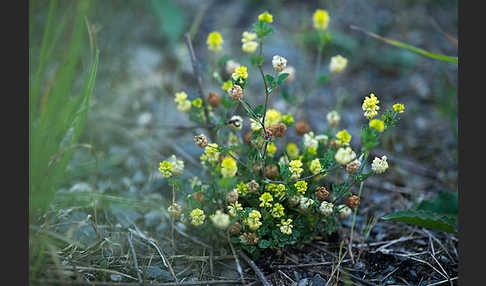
(220, 219)
(291, 71)
(279, 63)
(231, 66)
(338, 64)
(310, 141)
(305, 203)
(343, 211)
(326, 208)
(344, 155)
(333, 118)
(378, 165)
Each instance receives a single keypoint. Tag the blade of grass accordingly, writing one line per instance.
(411, 48)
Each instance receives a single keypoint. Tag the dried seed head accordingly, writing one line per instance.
(232, 196)
(201, 141)
(236, 92)
(248, 137)
(271, 171)
(235, 228)
(199, 196)
(353, 201)
(214, 99)
(174, 210)
(321, 193)
(257, 168)
(252, 238)
(252, 186)
(333, 143)
(279, 129)
(353, 167)
(269, 133)
(301, 127)
(293, 201)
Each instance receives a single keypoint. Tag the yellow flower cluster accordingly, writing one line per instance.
(315, 166)
(272, 117)
(197, 216)
(301, 186)
(166, 168)
(278, 190)
(249, 44)
(295, 168)
(320, 19)
(214, 41)
(265, 17)
(338, 64)
(377, 124)
(242, 189)
(399, 108)
(343, 137)
(197, 102)
(183, 104)
(211, 153)
(277, 211)
(228, 167)
(226, 85)
(253, 220)
(370, 106)
(266, 199)
(288, 119)
(271, 149)
(292, 150)
(285, 226)
(220, 219)
(233, 208)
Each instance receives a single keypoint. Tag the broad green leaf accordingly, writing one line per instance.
(445, 203)
(264, 243)
(281, 78)
(426, 219)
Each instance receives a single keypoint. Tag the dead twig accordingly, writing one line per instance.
(255, 268)
(134, 258)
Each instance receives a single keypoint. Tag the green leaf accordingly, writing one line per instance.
(270, 80)
(259, 110)
(322, 79)
(369, 138)
(426, 219)
(172, 19)
(256, 60)
(281, 78)
(445, 203)
(264, 243)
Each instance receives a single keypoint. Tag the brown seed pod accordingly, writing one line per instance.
(253, 187)
(252, 238)
(321, 193)
(201, 141)
(236, 92)
(235, 228)
(257, 168)
(214, 99)
(271, 171)
(301, 127)
(248, 137)
(353, 201)
(199, 196)
(278, 129)
(232, 196)
(333, 143)
(269, 133)
(353, 167)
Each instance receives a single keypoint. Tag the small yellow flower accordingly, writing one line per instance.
(277, 211)
(321, 19)
(265, 17)
(166, 168)
(338, 64)
(240, 73)
(278, 190)
(249, 44)
(226, 85)
(301, 186)
(197, 216)
(315, 166)
(295, 167)
(228, 167)
(343, 137)
(288, 119)
(312, 150)
(271, 149)
(377, 124)
(253, 220)
(399, 108)
(214, 41)
(197, 102)
(272, 117)
(370, 106)
(211, 153)
(265, 200)
(233, 208)
(292, 150)
(285, 226)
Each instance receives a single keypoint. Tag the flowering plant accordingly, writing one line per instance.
(263, 193)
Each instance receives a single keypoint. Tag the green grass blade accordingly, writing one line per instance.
(411, 48)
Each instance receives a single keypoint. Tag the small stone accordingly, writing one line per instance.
(318, 281)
